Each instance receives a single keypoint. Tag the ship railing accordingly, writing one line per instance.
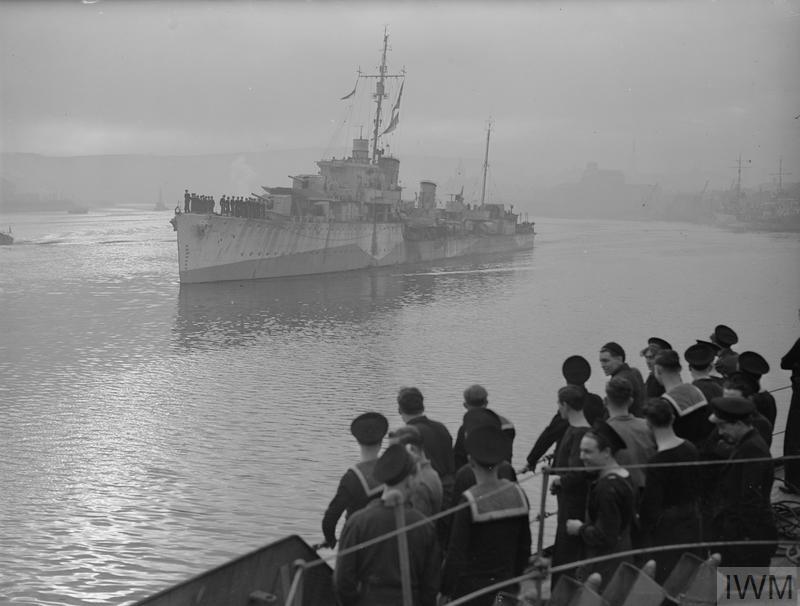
(536, 574)
(539, 572)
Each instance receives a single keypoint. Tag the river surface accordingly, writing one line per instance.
(150, 431)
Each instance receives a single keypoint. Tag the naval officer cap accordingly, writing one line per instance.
(394, 465)
(659, 342)
(714, 347)
(488, 445)
(478, 417)
(699, 355)
(724, 336)
(608, 437)
(732, 408)
(576, 370)
(369, 428)
(753, 363)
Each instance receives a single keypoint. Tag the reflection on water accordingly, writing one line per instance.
(149, 431)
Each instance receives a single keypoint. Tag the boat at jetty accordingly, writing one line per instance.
(6, 238)
(347, 216)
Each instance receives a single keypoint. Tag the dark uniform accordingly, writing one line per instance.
(576, 370)
(669, 513)
(371, 576)
(727, 359)
(756, 366)
(740, 506)
(490, 540)
(438, 444)
(571, 495)
(186, 201)
(358, 486)
(610, 514)
(635, 378)
(652, 388)
(791, 439)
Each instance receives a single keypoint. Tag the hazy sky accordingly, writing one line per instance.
(659, 86)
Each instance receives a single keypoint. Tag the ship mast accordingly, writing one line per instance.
(380, 93)
(486, 162)
(379, 97)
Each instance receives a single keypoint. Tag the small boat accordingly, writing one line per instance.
(78, 210)
(6, 238)
(263, 576)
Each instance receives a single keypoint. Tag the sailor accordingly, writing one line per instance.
(791, 439)
(725, 338)
(576, 370)
(476, 396)
(437, 439)
(700, 359)
(358, 486)
(744, 385)
(610, 504)
(425, 490)
(612, 361)
(570, 487)
(465, 475)
(490, 539)
(371, 576)
(689, 401)
(186, 201)
(669, 512)
(652, 388)
(640, 444)
(741, 508)
(756, 366)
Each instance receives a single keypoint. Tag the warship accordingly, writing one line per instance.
(349, 215)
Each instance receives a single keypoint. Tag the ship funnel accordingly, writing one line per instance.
(427, 195)
(361, 150)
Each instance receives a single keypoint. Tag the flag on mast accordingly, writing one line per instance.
(399, 96)
(392, 124)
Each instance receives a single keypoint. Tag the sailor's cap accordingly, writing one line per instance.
(714, 347)
(659, 342)
(732, 408)
(753, 363)
(724, 336)
(478, 417)
(699, 355)
(407, 434)
(576, 370)
(394, 465)
(488, 445)
(369, 428)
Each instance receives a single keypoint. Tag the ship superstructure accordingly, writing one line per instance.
(349, 215)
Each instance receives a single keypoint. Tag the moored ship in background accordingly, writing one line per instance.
(347, 216)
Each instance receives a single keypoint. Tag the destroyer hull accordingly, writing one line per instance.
(212, 248)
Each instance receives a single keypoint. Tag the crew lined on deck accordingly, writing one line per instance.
(620, 502)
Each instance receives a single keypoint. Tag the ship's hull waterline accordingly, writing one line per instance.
(213, 248)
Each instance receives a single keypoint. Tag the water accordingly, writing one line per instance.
(149, 432)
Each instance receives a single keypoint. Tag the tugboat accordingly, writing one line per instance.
(347, 216)
(6, 238)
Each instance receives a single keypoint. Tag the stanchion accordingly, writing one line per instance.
(540, 537)
(397, 500)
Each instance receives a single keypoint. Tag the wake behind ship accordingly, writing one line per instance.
(347, 216)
